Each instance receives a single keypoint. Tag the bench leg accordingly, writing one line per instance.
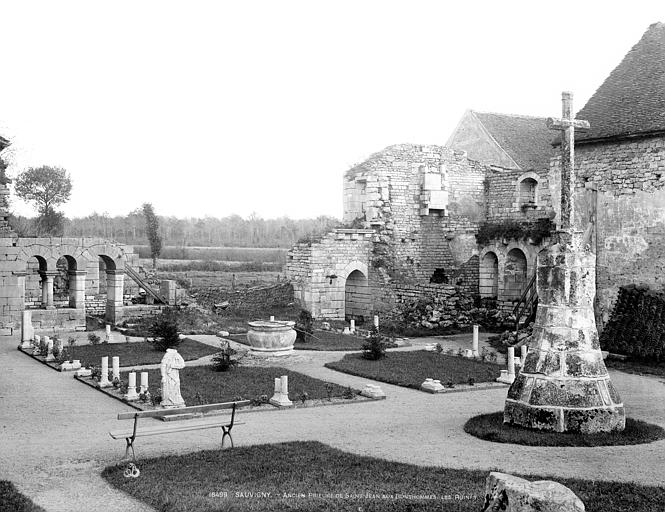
(130, 446)
(227, 433)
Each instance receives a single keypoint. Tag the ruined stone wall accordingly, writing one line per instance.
(319, 269)
(257, 298)
(629, 177)
(19, 259)
(414, 211)
(503, 195)
(425, 203)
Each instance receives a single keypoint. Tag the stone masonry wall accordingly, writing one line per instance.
(414, 211)
(629, 177)
(318, 270)
(258, 298)
(425, 203)
(17, 260)
(502, 195)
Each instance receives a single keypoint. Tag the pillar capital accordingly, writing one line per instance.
(77, 272)
(49, 273)
(115, 272)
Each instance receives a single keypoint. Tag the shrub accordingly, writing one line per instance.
(330, 387)
(43, 347)
(375, 346)
(304, 326)
(260, 400)
(222, 362)
(349, 393)
(637, 325)
(514, 230)
(71, 342)
(164, 330)
(94, 339)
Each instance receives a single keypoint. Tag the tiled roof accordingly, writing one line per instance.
(631, 100)
(526, 139)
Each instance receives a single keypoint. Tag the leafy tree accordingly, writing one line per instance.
(46, 187)
(152, 230)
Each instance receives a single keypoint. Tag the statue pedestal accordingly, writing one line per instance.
(563, 385)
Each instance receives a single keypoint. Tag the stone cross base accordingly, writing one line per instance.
(563, 385)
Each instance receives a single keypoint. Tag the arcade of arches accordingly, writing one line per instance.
(505, 272)
(55, 277)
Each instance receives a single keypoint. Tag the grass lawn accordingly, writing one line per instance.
(11, 499)
(638, 368)
(314, 477)
(320, 340)
(490, 427)
(410, 369)
(137, 353)
(201, 384)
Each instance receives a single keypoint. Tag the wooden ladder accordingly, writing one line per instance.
(134, 275)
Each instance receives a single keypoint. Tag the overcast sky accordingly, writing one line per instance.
(214, 108)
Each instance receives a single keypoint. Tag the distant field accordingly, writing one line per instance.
(224, 280)
(235, 254)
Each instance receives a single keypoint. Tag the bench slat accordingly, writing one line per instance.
(153, 431)
(182, 410)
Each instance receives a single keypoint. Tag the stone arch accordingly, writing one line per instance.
(355, 265)
(65, 266)
(527, 189)
(357, 299)
(488, 285)
(515, 274)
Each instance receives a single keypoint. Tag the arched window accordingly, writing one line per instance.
(527, 190)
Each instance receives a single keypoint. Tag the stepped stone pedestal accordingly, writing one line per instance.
(564, 385)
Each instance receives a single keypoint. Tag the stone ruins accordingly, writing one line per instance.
(412, 212)
(57, 281)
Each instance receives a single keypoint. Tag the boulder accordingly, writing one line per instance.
(513, 494)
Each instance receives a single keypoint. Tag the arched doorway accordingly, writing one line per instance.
(357, 300)
(35, 288)
(489, 276)
(514, 280)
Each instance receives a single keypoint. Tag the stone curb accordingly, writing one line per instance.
(297, 404)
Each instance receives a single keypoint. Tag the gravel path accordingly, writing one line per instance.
(54, 439)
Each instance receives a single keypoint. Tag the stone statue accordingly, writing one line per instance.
(172, 362)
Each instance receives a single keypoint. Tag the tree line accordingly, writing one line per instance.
(48, 187)
(230, 231)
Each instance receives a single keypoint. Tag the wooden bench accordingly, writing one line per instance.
(223, 422)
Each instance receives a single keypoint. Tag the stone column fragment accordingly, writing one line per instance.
(474, 346)
(144, 382)
(116, 367)
(104, 380)
(131, 387)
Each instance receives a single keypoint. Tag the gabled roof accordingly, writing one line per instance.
(631, 101)
(525, 141)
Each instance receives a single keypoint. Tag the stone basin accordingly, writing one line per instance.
(271, 338)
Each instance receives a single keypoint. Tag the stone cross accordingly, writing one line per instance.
(567, 125)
